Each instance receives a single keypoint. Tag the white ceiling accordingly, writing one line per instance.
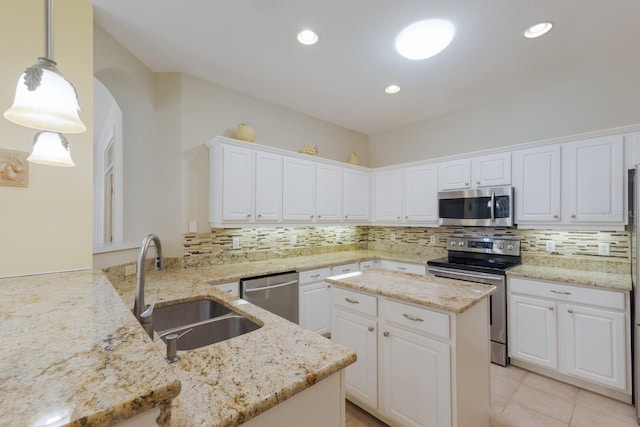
(250, 46)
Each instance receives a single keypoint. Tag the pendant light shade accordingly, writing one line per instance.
(44, 99)
(51, 148)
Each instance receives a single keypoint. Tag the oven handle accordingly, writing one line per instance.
(461, 273)
(493, 206)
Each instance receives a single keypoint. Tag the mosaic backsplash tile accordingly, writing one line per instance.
(263, 243)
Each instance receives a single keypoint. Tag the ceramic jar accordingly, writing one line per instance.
(245, 132)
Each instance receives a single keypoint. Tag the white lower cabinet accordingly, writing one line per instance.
(579, 333)
(313, 301)
(416, 366)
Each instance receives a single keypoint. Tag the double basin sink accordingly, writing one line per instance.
(210, 321)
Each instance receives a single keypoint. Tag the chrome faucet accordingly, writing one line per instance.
(142, 313)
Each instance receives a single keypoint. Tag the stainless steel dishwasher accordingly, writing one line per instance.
(277, 293)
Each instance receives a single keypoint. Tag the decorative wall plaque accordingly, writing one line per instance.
(14, 168)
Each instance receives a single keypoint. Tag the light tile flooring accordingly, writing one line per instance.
(522, 399)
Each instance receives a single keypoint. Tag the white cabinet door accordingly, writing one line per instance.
(298, 190)
(268, 186)
(536, 179)
(314, 307)
(455, 174)
(358, 333)
(421, 194)
(329, 190)
(593, 172)
(532, 331)
(415, 384)
(388, 196)
(238, 180)
(356, 195)
(492, 171)
(596, 345)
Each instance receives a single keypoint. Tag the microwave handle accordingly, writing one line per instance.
(493, 206)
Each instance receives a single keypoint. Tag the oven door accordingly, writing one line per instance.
(480, 207)
(497, 306)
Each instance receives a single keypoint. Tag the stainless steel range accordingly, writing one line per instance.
(483, 260)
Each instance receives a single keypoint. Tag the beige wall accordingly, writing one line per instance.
(167, 119)
(602, 98)
(48, 226)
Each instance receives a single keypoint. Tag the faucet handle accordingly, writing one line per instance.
(146, 319)
(172, 345)
(148, 312)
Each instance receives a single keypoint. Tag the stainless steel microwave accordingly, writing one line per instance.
(492, 207)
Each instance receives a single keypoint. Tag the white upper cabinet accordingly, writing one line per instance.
(536, 179)
(329, 190)
(421, 194)
(407, 195)
(593, 186)
(298, 185)
(455, 174)
(483, 171)
(388, 195)
(356, 195)
(268, 186)
(237, 182)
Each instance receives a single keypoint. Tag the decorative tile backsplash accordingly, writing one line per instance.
(276, 242)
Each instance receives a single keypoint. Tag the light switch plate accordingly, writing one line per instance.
(604, 248)
(294, 239)
(551, 245)
(236, 243)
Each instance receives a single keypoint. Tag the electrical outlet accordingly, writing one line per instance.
(432, 240)
(603, 248)
(236, 243)
(392, 236)
(337, 236)
(294, 239)
(551, 246)
(193, 226)
(130, 270)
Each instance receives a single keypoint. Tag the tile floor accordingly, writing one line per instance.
(522, 399)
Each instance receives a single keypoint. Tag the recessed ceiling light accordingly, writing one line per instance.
(538, 30)
(424, 39)
(307, 37)
(392, 89)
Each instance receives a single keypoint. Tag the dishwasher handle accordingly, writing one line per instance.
(279, 285)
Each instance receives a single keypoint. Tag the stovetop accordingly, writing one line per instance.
(481, 254)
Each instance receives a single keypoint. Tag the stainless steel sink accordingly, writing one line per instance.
(186, 313)
(210, 321)
(213, 331)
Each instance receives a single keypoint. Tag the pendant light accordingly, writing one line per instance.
(44, 99)
(51, 148)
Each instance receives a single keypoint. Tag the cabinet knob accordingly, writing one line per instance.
(319, 216)
(570, 311)
(311, 216)
(346, 216)
(573, 216)
(370, 328)
(477, 182)
(259, 215)
(398, 216)
(248, 215)
(386, 334)
(406, 217)
(555, 216)
(551, 308)
(466, 184)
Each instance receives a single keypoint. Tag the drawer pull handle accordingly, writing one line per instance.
(401, 268)
(370, 328)
(551, 308)
(560, 292)
(570, 311)
(351, 301)
(410, 317)
(386, 334)
(346, 270)
(315, 276)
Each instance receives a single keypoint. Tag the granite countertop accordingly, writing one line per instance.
(72, 350)
(586, 276)
(434, 292)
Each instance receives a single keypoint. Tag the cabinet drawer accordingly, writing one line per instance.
(365, 304)
(562, 292)
(416, 318)
(316, 275)
(230, 288)
(403, 267)
(346, 268)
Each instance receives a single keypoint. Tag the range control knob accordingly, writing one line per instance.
(461, 243)
(452, 243)
(500, 246)
(510, 247)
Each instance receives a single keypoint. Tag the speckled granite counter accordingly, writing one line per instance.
(572, 276)
(72, 350)
(434, 292)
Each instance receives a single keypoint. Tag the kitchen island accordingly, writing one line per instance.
(422, 343)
